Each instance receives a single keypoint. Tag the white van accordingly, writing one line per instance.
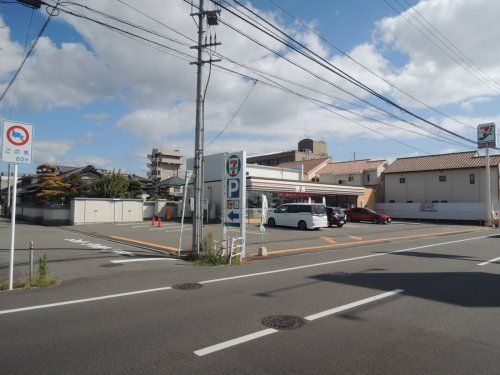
(300, 215)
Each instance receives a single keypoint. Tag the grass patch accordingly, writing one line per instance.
(209, 254)
(42, 278)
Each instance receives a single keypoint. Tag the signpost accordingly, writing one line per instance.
(234, 184)
(17, 142)
(486, 138)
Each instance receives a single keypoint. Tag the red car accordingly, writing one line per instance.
(365, 214)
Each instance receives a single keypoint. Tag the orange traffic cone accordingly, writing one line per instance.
(153, 222)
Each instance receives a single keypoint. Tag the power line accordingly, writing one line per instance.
(342, 74)
(304, 24)
(234, 114)
(464, 66)
(24, 51)
(51, 14)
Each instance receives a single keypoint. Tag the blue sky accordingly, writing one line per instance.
(96, 97)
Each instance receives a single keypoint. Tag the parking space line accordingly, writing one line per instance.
(233, 342)
(328, 239)
(352, 305)
(489, 261)
(169, 248)
(377, 240)
(140, 260)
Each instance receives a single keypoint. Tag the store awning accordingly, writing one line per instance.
(303, 187)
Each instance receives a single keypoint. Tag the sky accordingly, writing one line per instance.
(98, 97)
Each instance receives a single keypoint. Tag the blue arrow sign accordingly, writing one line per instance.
(233, 215)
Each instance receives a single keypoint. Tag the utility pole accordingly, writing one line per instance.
(199, 129)
(488, 189)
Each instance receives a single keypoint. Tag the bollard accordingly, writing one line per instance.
(31, 261)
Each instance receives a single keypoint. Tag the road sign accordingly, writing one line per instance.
(17, 142)
(486, 135)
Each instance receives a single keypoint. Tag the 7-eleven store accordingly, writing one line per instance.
(280, 185)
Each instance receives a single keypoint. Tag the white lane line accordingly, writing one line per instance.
(265, 332)
(139, 260)
(337, 261)
(2, 312)
(352, 305)
(233, 342)
(489, 261)
(109, 296)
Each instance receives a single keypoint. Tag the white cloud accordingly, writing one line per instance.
(51, 151)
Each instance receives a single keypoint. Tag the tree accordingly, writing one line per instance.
(112, 185)
(52, 189)
(135, 189)
(79, 186)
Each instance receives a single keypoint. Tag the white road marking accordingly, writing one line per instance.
(233, 342)
(139, 260)
(489, 261)
(131, 223)
(2, 312)
(265, 332)
(352, 305)
(72, 302)
(103, 248)
(337, 261)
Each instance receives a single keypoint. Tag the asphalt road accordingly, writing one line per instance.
(428, 304)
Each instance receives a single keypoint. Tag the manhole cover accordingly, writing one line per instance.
(340, 274)
(110, 265)
(283, 322)
(187, 286)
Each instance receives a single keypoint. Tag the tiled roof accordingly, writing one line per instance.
(309, 165)
(351, 167)
(458, 160)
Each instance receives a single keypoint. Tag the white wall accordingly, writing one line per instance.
(265, 171)
(441, 211)
(101, 210)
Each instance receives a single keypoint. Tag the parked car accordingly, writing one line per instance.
(336, 216)
(366, 214)
(300, 215)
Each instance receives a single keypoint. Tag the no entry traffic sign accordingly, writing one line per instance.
(17, 142)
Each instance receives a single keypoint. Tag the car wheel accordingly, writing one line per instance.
(375, 220)
(271, 223)
(340, 225)
(302, 225)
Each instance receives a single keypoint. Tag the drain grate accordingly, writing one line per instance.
(187, 286)
(340, 274)
(283, 322)
(110, 265)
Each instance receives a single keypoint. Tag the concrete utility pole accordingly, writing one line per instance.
(488, 189)
(199, 129)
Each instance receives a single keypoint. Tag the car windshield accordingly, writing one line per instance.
(318, 210)
(338, 211)
(370, 211)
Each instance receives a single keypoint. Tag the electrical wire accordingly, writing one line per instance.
(304, 24)
(40, 33)
(327, 65)
(24, 51)
(462, 65)
(234, 114)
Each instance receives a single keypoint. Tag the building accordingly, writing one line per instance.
(306, 149)
(447, 186)
(310, 168)
(280, 185)
(366, 173)
(164, 164)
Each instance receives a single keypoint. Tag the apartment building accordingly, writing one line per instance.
(164, 164)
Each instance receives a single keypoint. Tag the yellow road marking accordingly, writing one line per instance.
(356, 238)
(345, 244)
(169, 248)
(329, 239)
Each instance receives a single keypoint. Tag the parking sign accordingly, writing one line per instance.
(17, 142)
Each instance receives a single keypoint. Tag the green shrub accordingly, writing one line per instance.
(43, 277)
(209, 254)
